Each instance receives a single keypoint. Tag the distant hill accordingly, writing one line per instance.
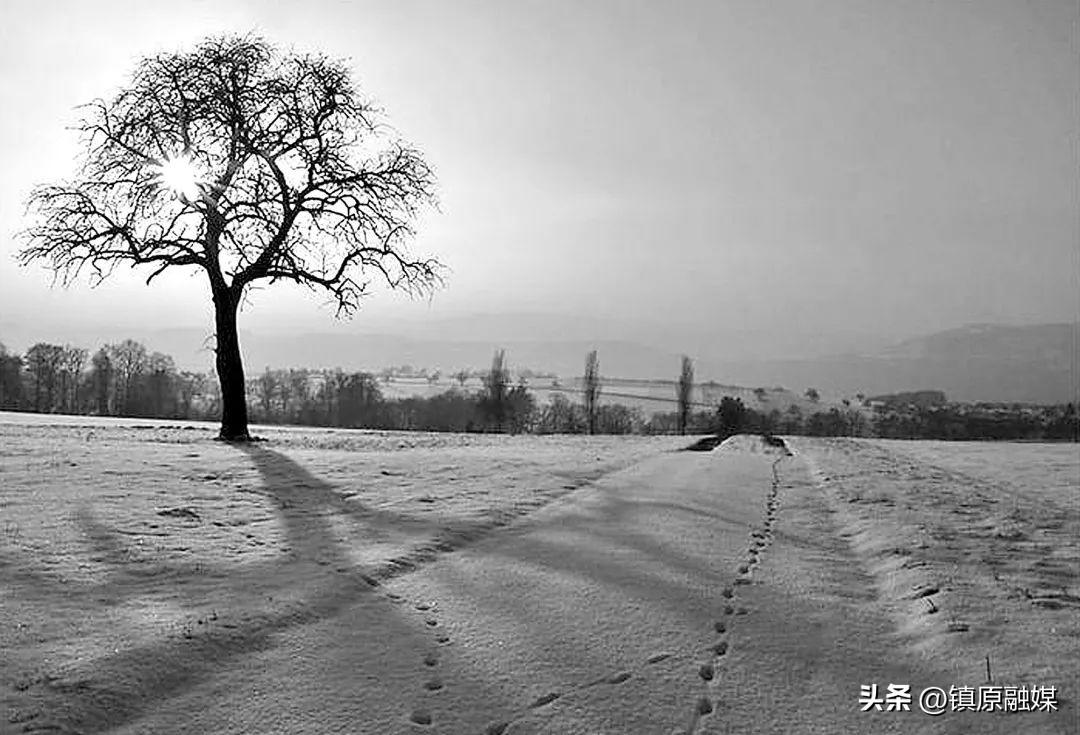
(1024, 364)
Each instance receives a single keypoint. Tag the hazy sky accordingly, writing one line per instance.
(794, 167)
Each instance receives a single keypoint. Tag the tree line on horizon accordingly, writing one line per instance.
(126, 379)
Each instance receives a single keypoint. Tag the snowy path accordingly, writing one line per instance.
(690, 593)
(604, 613)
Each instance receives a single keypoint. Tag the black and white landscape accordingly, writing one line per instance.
(513, 367)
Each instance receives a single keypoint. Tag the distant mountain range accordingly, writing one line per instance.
(985, 362)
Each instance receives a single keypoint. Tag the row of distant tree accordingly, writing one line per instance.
(123, 379)
(126, 379)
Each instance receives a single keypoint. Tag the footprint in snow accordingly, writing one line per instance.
(544, 700)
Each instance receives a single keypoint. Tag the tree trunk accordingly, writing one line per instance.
(230, 369)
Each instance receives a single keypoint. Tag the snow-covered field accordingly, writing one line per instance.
(155, 580)
(973, 549)
(123, 536)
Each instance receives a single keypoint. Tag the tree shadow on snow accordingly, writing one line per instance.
(317, 580)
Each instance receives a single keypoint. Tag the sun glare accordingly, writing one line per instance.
(179, 174)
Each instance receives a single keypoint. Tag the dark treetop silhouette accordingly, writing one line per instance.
(251, 164)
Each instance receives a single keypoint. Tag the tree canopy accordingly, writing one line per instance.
(244, 161)
(249, 163)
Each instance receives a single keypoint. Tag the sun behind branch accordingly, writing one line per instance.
(180, 175)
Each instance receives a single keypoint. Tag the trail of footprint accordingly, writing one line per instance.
(707, 672)
(433, 684)
(618, 677)
(759, 539)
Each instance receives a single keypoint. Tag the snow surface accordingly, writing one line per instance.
(153, 580)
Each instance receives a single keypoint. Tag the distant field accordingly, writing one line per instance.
(1031, 469)
(649, 396)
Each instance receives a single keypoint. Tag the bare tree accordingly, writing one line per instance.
(496, 390)
(190, 385)
(267, 389)
(520, 409)
(731, 416)
(591, 389)
(43, 363)
(250, 164)
(129, 364)
(299, 391)
(684, 392)
(161, 389)
(11, 385)
(102, 382)
(72, 362)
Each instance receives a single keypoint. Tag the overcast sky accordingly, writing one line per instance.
(817, 167)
